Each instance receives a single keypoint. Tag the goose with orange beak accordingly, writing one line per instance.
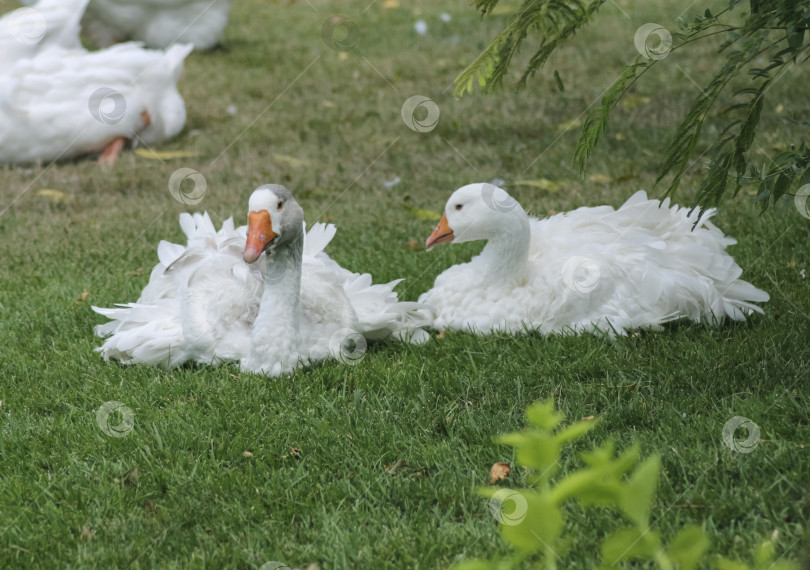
(589, 270)
(265, 294)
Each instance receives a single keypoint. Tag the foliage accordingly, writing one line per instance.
(774, 29)
(534, 524)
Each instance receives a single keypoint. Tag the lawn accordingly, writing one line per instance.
(377, 465)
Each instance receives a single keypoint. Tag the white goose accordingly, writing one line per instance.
(156, 23)
(47, 24)
(590, 269)
(219, 298)
(64, 103)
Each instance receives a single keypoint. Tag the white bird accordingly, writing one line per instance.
(156, 23)
(588, 270)
(63, 103)
(219, 298)
(47, 24)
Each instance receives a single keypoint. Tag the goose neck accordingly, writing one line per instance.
(506, 255)
(280, 305)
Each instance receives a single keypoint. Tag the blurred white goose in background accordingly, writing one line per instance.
(68, 102)
(219, 298)
(48, 23)
(590, 269)
(156, 23)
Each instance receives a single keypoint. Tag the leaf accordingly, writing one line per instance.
(574, 431)
(629, 544)
(726, 564)
(502, 9)
(499, 472)
(540, 523)
(781, 186)
(542, 415)
(165, 154)
(559, 81)
(567, 125)
(688, 547)
(55, 195)
(541, 183)
(640, 490)
(539, 451)
(764, 554)
(293, 161)
(633, 101)
(421, 214)
(600, 178)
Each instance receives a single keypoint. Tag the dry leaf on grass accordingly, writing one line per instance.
(165, 154)
(499, 472)
(541, 183)
(55, 195)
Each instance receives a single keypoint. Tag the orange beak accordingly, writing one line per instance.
(441, 234)
(260, 234)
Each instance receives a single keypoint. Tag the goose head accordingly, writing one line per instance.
(478, 212)
(274, 220)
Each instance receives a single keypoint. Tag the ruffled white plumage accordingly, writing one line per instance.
(64, 103)
(46, 24)
(202, 301)
(158, 23)
(639, 266)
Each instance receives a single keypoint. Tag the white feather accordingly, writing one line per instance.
(590, 269)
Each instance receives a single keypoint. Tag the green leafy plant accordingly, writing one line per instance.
(533, 520)
(773, 29)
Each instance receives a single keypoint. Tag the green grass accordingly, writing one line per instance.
(68, 495)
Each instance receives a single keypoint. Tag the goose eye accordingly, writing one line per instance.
(280, 205)
(459, 206)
